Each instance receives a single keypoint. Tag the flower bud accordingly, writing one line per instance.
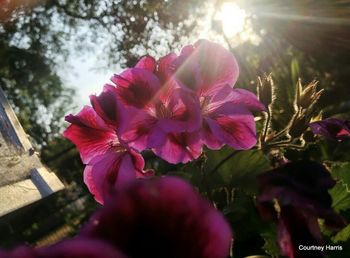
(265, 89)
(309, 95)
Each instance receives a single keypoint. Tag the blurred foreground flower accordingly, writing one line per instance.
(76, 248)
(296, 194)
(162, 217)
(332, 128)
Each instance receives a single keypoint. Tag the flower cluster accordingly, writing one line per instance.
(174, 106)
(301, 191)
(159, 217)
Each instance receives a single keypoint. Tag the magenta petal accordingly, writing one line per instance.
(106, 105)
(224, 93)
(247, 99)
(89, 133)
(147, 63)
(166, 211)
(208, 138)
(105, 173)
(142, 132)
(136, 87)
(234, 126)
(90, 183)
(185, 112)
(137, 160)
(127, 170)
(220, 235)
(165, 66)
(217, 64)
(180, 148)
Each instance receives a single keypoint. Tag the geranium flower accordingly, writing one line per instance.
(301, 189)
(163, 217)
(109, 162)
(211, 71)
(75, 248)
(332, 128)
(156, 109)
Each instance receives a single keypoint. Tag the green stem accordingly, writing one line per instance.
(292, 146)
(271, 144)
(280, 134)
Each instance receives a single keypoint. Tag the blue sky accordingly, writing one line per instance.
(86, 76)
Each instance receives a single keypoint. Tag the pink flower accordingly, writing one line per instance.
(211, 71)
(227, 118)
(163, 217)
(180, 147)
(109, 162)
(157, 109)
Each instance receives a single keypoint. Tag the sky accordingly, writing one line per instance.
(86, 76)
(84, 73)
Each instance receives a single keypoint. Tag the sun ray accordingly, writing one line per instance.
(233, 18)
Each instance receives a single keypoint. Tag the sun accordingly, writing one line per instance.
(233, 18)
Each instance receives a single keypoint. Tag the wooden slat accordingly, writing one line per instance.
(23, 178)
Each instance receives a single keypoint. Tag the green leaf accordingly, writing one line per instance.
(239, 171)
(341, 171)
(271, 246)
(244, 217)
(340, 196)
(343, 235)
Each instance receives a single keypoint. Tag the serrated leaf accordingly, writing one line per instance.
(341, 171)
(343, 235)
(340, 197)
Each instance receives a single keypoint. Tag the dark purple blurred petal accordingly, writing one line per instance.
(162, 217)
(296, 228)
(301, 190)
(332, 128)
(19, 252)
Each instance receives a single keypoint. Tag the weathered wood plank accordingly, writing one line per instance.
(23, 178)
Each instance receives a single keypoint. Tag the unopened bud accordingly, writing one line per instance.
(309, 95)
(265, 89)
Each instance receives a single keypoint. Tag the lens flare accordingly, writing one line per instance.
(233, 19)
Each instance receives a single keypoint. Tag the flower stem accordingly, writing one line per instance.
(267, 125)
